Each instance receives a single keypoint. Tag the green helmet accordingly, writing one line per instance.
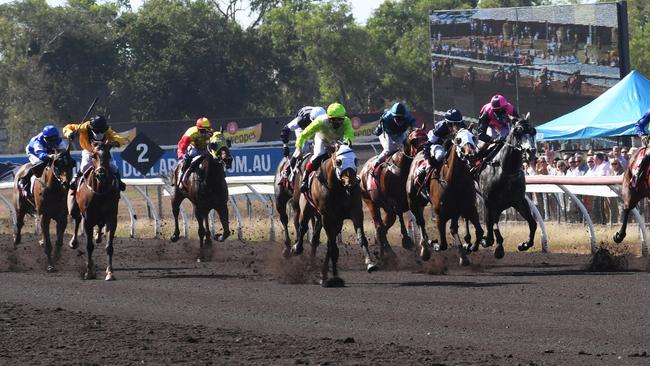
(336, 110)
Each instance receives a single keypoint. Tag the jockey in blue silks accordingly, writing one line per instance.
(39, 151)
(394, 126)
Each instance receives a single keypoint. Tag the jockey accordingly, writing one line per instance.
(393, 128)
(543, 76)
(304, 117)
(191, 145)
(434, 150)
(39, 151)
(494, 123)
(641, 128)
(95, 130)
(328, 128)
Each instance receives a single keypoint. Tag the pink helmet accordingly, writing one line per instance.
(498, 102)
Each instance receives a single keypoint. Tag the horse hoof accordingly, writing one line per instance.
(485, 243)
(464, 261)
(73, 243)
(174, 238)
(523, 246)
(425, 254)
(51, 269)
(371, 267)
(109, 276)
(439, 247)
(618, 237)
(407, 243)
(499, 252)
(199, 260)
(221, 237)
(41, 242)
(286, 252)
(89, 276)
(297, 249)
(333, 282)
(467, 239)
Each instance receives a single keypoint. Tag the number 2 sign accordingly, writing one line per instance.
(142, 153)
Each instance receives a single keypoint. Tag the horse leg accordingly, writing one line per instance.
(222, 211)
(472, 217)
(176, 208)
(332, 231)
(388, 221)
(110, 227)
(462, 248)
(425, 244)
(99, 234)
(380, 230)
(45, 241)
(620, 234)
(20, 222)
(61, 223)
(316, 227)
(441, 223)
(201, 231)
(90, 246)
(281, 208)
(303, 225)
(407, 243)
(523, 209)
(76, 219)
(468, 237)
(489, 225)
(357, 221)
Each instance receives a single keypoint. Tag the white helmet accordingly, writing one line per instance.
(316, 112)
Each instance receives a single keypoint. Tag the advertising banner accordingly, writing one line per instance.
(246, 162)
(245, 135)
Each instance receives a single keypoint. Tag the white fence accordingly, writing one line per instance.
(260, 188)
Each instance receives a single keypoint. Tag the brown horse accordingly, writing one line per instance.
(573, 84)
(288, 192)
(334, 194)
(96, 201)
(452, 196)
(207, 190)
(631, 195)
(50, 190)
(388, 193)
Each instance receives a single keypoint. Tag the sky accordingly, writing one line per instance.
(361, 9)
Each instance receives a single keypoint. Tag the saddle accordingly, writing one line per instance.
(372, 181)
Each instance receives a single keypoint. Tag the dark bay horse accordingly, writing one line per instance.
(502, 184)
(96, 201)
(288, 192)
(207, 190)
(387, 192)
(50, 191)
(334, 195)
(452, 196)
(632, 195)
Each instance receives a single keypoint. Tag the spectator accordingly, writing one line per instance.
(601, 165)
(561, 168)
(591, 165)
(616, 151)
(541, 168)
(574, 170)
(582, 165)
(617, 167)
(625, 154)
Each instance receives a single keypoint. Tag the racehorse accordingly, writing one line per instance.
(542, 88)
(499, 77)
(96, 201)
(446, 67)
(386, 191)
(469, 79)
(574, 84)
(451, 196)
(207, 190)
(334, 195)
(632, 195)
(49, 194)
(503, 185)
(288, 191)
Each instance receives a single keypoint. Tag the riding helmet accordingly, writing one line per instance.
(498, 102)
(336, 110)
(50, 133)
(398, 110)
(316, 112)
(454, 116)
(98, 124)
(203, 122)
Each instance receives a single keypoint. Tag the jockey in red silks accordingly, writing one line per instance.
(494, 123)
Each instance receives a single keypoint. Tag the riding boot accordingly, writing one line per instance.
(437, 167)
(73, 183)
(478, 158)
(286, 173)
(304, 185)
(185, 165)
(380, 159)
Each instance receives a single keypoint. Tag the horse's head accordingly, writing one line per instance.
(465, 145)
(415, 141)
(219, 148)
(522, 137)
(101, 160)
(345, 166)
(62, 165)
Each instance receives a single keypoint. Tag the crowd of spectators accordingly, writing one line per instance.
(592, 163)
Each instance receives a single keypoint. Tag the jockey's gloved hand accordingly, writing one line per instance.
(347, 142)
(284, 134)
(285, 150)
(50, 157)
(114, 144)
(378, 130)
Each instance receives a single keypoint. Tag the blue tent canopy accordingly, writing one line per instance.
(611, 114)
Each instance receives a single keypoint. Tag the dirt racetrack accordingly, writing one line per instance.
(250, 306)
